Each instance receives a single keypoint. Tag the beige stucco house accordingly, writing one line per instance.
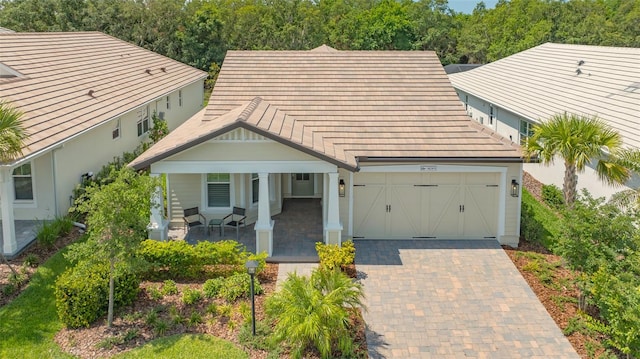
(378, 136)
(510, 95)
(86, 97)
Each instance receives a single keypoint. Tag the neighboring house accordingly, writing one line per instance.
(510, 95)
(455, 68)
(86, 98)
(378, 136)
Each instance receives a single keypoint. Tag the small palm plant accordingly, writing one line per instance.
(315, 312)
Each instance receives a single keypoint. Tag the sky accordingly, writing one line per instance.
(467, 6)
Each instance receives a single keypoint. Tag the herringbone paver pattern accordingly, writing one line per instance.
(452, 299)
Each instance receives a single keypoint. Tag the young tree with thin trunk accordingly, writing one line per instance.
(579, 140)
(117, 218)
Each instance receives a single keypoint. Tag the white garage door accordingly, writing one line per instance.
(425, 205)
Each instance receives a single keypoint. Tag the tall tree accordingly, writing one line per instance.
(579, 140)
(118, 214)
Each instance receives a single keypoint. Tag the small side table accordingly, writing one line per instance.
(215, 222)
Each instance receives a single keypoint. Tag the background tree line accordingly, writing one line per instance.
(199, 32)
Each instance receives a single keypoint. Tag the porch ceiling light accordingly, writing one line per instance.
(341, 188)
(515, 188)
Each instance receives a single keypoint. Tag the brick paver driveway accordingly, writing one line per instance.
(452, 299)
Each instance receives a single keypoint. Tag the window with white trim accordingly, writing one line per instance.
(466, 102)
(526, 130)
(180, 98)
(168, 102)
(255, 188)
(143, 121)
(218, 190)
(23, 183)
(115, 133)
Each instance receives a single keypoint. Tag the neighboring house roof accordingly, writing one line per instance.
(341, 106)
(455, 68)
(553, 78)
(67, 83)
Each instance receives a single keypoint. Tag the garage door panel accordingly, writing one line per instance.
(404, 211)
(369, 210)
(443, 211)
(481, 217)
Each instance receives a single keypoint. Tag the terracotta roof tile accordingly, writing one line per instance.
(73, 81)
(344, 105)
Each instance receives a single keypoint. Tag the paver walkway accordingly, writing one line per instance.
(452, 299)
(302, 269)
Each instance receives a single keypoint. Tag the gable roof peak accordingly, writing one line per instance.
(324, 48)
(249, 108)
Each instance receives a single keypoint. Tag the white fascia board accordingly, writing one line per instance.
(243, 167)
(433, 168)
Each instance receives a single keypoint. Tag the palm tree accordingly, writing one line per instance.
(12, 136)
(578, 140)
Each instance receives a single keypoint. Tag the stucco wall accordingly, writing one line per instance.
(506, 123)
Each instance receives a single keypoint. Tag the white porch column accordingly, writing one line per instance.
(10, 244)
(264, 224)
(158, 226)
(333, 228)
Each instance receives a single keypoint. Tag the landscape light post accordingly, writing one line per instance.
(252, 266)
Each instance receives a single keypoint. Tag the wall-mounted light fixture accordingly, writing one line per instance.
(86, 177)
(515, 188)
(341, 188)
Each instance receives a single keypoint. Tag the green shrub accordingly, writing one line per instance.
(530, 228)
(552, 196)
(239, 286)
(47, 234)
(169, 287)
(32, 260)
(191, 296)
(314, 311)
(178, 258)
(155, 293)
(82, 293)
(334, 256)
(212, 287)
(63, 225)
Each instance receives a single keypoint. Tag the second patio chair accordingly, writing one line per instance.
(236, 219)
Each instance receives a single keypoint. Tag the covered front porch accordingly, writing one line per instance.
(25, 234)
(297, 229)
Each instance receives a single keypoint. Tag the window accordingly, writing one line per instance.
(525, 131)
(23, 183)
(168, 102)
(180, 98)
(115, 133)
(143, 121)
(302, 177)
(466, 102)
(255, 188)
(218, 190)
(492, 115)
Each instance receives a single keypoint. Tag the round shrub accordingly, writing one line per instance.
(82, 293)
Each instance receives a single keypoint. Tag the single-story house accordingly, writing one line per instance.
(510, 95)
(378, 136)
(86, 98)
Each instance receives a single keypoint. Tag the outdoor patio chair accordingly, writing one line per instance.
(237, 219)
(193, 218)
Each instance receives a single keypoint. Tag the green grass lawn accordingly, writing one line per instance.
(29, 324)
(187, 346)
(547, 218)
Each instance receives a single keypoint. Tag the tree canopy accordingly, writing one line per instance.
(199, 32)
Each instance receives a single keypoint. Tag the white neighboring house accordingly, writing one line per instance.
(511, 94)
(378, 136)
(86, 98)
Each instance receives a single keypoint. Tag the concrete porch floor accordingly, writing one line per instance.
(297, 228)
(26, 231)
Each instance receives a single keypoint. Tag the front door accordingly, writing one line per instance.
(302, 184)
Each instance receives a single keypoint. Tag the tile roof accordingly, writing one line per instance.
(71, 82)
(544, 80)
(343, 106)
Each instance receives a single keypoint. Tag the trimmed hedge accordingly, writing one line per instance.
(231, 288)
(181, 259)
(82, 293)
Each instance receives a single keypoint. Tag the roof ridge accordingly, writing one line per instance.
(249, 109)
